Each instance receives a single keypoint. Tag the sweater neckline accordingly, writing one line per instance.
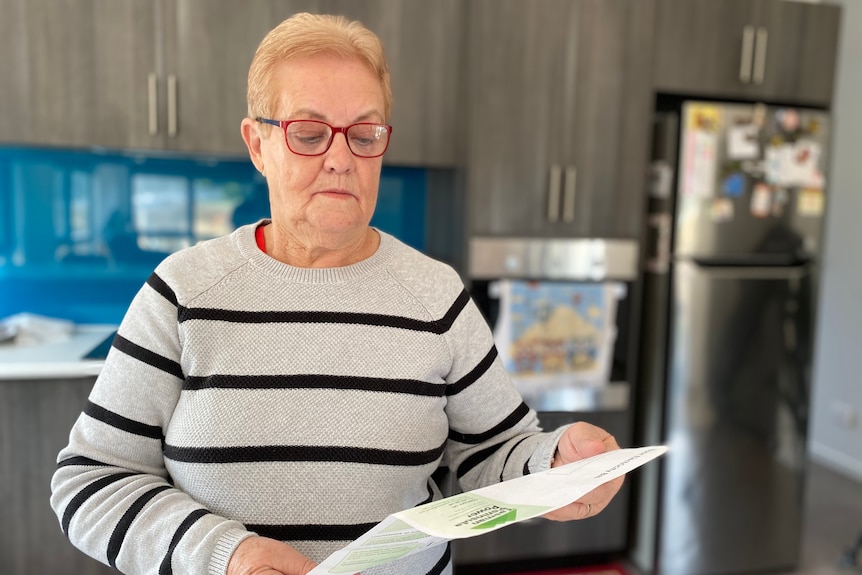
(244, 238)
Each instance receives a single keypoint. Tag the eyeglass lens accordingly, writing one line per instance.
(312, 138)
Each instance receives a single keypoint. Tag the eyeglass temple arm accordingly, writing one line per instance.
(268, 121)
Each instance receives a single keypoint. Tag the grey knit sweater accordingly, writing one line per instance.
(243, 395)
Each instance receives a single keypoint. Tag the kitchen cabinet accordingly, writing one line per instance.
(208, 46)
(424, 44)
(771, 50)
(71, 72)
(171, 74)
(35, 419)
(559, 113)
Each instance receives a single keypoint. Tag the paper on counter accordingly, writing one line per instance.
(481, 511)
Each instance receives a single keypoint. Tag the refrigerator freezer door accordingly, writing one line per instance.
(751, 182)
(736, 418)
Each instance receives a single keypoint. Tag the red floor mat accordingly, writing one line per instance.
(593, 570)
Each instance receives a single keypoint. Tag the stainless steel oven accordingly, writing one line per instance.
(539, 541)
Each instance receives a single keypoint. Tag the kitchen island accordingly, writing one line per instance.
(43, 389)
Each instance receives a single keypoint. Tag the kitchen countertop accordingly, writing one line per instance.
(61, 357)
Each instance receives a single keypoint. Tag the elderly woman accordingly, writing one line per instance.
(272, 394)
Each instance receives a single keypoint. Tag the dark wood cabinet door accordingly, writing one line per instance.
(522, 74)
(77, 74)
(608, 141)
(209, 45)
(769, 50)
(424, 45)
(36, 417)
(559, 110)
(704, 48)
(801, 48)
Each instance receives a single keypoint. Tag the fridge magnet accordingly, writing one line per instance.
(700, 151)
(810, 202)
(780, 197)
(788, 120)
(733, 185)
(704, 118)
(795, 164)
(743, 142)
(721, 210)
(806, 164)
(761, 201)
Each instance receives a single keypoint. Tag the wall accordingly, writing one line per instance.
(835, 436)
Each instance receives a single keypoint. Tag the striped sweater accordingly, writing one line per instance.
(243, 395)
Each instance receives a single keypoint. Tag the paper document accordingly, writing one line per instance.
(482, 511)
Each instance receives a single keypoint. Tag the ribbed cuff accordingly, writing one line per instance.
(224, 548)
(543, 456)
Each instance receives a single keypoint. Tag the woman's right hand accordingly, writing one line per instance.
(264, 556)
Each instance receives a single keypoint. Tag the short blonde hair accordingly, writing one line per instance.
(306, 34)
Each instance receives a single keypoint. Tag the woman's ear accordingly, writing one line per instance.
(251, 137)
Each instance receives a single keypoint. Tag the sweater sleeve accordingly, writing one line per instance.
(111, 490)
(494, 435)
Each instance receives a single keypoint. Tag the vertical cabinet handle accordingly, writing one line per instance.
(172, 105)
(569, 187)
(554, 194)
(747, 50)
(760, 55)
(153, 104)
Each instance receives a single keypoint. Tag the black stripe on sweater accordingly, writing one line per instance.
(477, 458)
(80, 460)
(329, 317)
(430, 487)
(508, 423)
(508, 455)
(144, 355)
(158, 284)
(166, 568)
(85, 494)
(123, 423)
(314, 381)
(115, 543)
(481, 368)
(440, 566)
(258, 453)
(311, 532)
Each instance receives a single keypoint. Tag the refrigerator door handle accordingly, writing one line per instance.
(747, 49)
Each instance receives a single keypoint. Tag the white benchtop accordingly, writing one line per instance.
(58, 358)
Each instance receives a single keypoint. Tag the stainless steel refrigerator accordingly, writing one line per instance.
(737, 197)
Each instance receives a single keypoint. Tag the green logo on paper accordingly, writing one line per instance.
(507, 517)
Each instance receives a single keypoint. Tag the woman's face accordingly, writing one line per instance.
(322, 200)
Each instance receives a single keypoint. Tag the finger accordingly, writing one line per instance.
(583, 440)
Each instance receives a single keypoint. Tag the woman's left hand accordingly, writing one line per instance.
(580, 441)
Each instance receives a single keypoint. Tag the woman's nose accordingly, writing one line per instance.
(339, 158)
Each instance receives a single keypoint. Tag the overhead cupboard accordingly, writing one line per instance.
(171, 74)
(775, 50)
(558, 106)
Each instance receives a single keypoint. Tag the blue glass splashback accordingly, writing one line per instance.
(81, 231)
